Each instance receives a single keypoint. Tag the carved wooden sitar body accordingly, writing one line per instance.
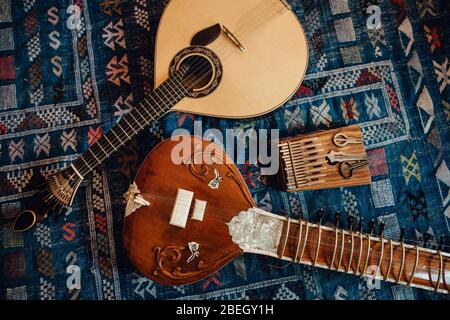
(223, 58)
(181, 229)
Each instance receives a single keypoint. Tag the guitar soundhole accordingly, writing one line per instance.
(204, 70)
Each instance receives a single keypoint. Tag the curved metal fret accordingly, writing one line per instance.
(381, 256)
(298, 242)
(306, 240)
(369, 239)
(351, 252)
(286, 237)
(402, 264)
(441, 266)
(336, 234)
(416, 262)
(342, 250)
(391, 254)
(318, 246)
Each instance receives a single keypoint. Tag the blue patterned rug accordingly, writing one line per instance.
(70, 68)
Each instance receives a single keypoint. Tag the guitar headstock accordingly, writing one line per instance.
(53, 194)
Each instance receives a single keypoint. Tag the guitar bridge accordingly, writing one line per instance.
(233, 38)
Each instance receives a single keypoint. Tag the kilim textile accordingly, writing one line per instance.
(69, 69)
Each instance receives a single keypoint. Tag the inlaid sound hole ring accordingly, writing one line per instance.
(204, 74)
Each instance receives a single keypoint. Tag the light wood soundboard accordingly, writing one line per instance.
(304, 165)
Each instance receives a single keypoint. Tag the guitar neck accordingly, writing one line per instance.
(348, 251)
(152, 108)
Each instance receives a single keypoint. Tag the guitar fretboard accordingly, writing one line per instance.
(152, 108)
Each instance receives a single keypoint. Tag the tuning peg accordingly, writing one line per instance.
(402, 234)
(371, 226)
(361, 223)
(426, 237)
(350, 221)
(338, 218)
(320, 215)
(441, 243)
(381, 229)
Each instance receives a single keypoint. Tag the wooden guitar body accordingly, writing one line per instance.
(160, 250)
(255, 81)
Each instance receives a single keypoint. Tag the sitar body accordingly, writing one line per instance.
(190, 213)
(255, 81)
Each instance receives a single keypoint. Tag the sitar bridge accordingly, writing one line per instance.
(182, 208)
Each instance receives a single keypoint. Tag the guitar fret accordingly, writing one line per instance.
(369, 241)
(131, 115)
(160, 90)
(121, 142)
(151, 106)
(318, 245)
(145, 109)
(391, 254)
(306, 240)
(95, 157)
(180, 85)
(129, 125)
(342, 250)
(103, 150)
(416, 261)
(170, 93)
(402, 264)
(286, 237)
(351, 252)
(106, 138)
(118, 125)
(87, 164)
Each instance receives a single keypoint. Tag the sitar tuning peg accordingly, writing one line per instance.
(350, 221)
(402, 234)
(381, 229)
(338, 217)
(361, 223)
(426, 237)
(441, 243)
(320, 215)
(371, 226)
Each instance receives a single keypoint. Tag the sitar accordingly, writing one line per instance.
(183, 229)
(222, 58)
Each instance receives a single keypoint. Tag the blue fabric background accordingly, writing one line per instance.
(61, 86)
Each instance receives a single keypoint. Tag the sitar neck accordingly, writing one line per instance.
(152, 108)
(349, 251)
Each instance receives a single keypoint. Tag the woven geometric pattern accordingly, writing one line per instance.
(69, 70)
